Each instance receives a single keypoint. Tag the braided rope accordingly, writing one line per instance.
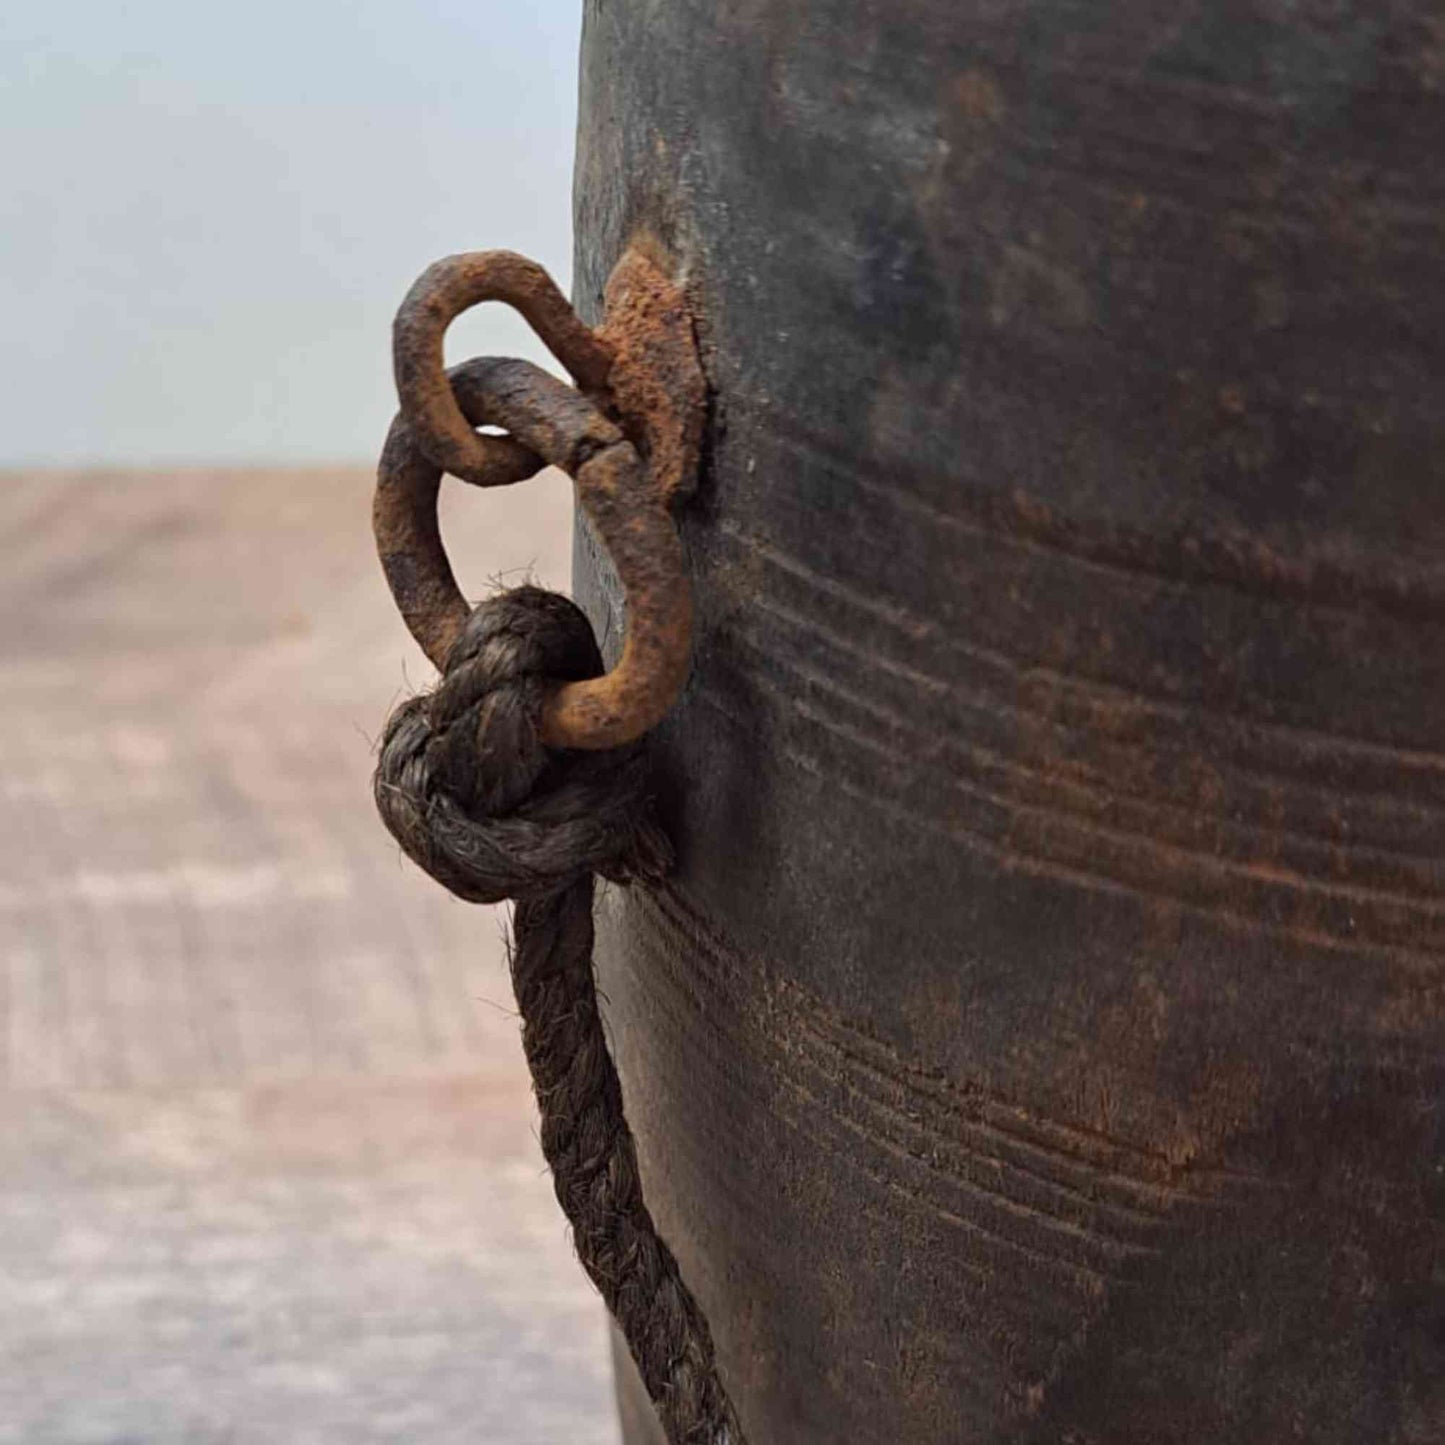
(467, 788)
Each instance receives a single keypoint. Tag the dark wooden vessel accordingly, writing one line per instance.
(1042, 1040)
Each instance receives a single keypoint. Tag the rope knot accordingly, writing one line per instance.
(467, 787)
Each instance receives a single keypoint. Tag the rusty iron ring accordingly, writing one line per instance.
(440, 294)
(625, 505)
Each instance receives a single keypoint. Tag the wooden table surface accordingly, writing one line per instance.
(268, 1169)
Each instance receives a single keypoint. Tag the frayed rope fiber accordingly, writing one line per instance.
(467, 788)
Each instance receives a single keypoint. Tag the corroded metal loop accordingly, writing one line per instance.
(627, 509)
(442, 292)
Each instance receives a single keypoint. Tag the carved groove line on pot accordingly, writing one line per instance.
(1026, 1227)
(1243, 563)
(1051, 844)
(1069, 703)
(989, 1287)
(1039, 1188)
(1052, 810)
(1304, 750)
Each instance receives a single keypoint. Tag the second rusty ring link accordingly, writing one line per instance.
(562, 428)
(488, 391)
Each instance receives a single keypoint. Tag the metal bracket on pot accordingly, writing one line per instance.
(628, 435)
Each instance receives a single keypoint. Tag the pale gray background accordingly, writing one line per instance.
(209, 212)
(268, 1162)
